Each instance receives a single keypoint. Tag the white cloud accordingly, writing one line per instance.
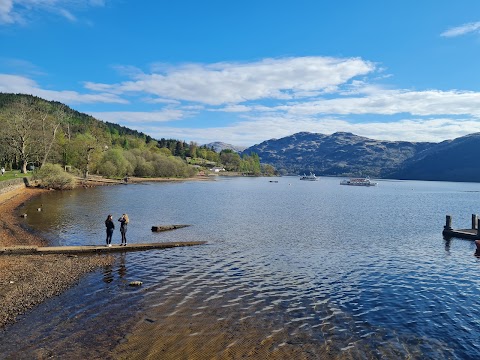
(233, 83)
(20, 11)
(250, 132)
(234, 109)
(390, 102)
(139, 117)
(67, 15)
(6, 9)
(272, 98)
(23, 85)
(462, 29)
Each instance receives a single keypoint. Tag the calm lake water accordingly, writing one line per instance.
(362, 268)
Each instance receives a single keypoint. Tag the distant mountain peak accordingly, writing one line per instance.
(218, 146)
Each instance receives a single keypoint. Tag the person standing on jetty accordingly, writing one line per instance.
(123, 228)
(110, 226)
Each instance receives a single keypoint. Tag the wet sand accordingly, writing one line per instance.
(27, 280)
(169, 333)
(188, 329)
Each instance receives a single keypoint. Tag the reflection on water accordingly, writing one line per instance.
(108, 270)
(363, 272)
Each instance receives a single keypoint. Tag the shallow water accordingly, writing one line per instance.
(365, 269)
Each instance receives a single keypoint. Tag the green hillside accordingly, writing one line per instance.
(36, 132)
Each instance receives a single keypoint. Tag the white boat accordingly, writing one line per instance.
(310, 177)
(358, 182)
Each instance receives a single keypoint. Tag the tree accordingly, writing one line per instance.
(50, 125)
(268, 169)
(113, 163)
(192, 151)
(80, 149)
(21, 123)
(231, 160)
(179, 149)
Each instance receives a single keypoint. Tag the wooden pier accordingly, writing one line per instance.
(470, 234)
(92, 249)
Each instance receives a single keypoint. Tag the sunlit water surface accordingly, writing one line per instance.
(364, 268)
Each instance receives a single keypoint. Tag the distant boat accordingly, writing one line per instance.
(310, 177)
(358, 182)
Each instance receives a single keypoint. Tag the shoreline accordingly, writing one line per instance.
(174, 332)
(28, 280)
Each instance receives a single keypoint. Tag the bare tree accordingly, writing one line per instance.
(21, 129)
(50, 125)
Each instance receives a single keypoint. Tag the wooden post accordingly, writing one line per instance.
(448, 223)
(474, 221)
(478, 229)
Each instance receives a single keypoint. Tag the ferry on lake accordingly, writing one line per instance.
(310, 177)
(358, 182)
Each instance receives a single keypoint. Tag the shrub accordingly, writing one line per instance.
(52, 176)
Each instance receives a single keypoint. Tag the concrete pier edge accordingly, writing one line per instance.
(92, 249)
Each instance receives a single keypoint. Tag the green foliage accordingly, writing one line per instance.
(247, 164)
(52, 176)
(231, 160)
(142, 163)
(268, 170)
(55, 133)
(113, 164)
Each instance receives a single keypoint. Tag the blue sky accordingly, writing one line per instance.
(247, 71)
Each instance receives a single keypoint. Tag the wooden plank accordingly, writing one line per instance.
(470, 234)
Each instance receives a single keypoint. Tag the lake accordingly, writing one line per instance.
(362, 271)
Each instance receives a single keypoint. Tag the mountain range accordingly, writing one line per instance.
(339, 154)
(347, 154)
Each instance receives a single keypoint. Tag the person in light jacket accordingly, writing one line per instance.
(123, 228)
(110, 226)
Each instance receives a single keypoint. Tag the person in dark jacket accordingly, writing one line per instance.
(110, 226)
(123, 228)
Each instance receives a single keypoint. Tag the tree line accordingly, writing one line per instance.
(36, 132)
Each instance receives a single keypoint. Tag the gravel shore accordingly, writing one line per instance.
(27, 280)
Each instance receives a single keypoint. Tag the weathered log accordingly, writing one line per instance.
(167, 227)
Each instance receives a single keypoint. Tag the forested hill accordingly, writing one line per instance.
(36, 132)
(450, 160)
(79, 122)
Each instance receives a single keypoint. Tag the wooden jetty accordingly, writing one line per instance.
(92, 249)
(470, 234)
